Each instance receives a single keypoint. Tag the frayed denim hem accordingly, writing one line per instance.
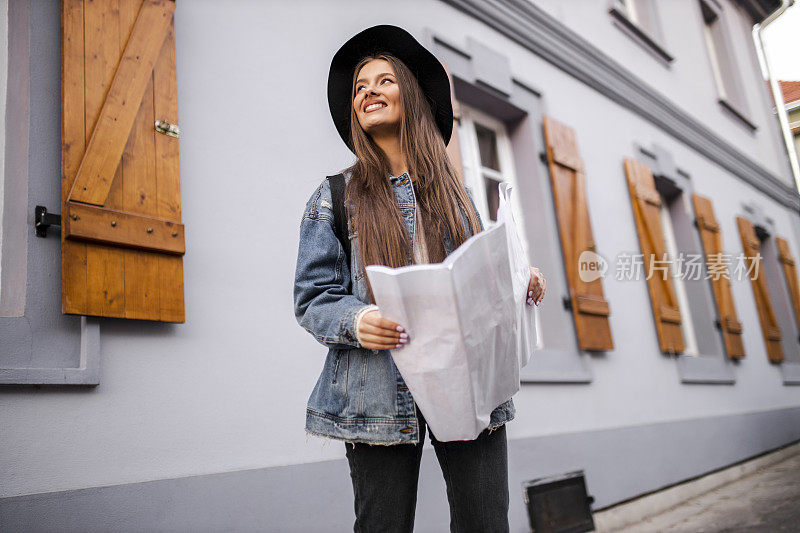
(347, 440)
(369, 430)
(383, 431)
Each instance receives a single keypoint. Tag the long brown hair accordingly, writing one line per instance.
(382, 236)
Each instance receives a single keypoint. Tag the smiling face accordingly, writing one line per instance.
(376, 98)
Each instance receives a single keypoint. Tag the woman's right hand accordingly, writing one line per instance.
(378, 333)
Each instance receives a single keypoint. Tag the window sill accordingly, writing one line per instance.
(709, 369)
(729, 108)
(556, 366)
(640, 36)
(87, 368)
(790, 372)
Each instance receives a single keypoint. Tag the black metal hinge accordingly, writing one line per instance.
(43, 220)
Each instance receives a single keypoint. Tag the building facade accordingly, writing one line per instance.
(791, 100)
(629, 130)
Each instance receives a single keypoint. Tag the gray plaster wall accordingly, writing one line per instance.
(226, 391)
(618, 463)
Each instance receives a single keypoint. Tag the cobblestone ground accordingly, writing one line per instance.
(767, 500)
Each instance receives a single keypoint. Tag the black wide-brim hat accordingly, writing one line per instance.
(398, 42)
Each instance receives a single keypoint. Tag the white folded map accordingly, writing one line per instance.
(469, 329)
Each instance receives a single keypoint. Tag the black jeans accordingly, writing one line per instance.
(475, 472)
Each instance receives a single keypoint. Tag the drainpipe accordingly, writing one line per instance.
(780, 108)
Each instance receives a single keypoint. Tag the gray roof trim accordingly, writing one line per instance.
(532, 28)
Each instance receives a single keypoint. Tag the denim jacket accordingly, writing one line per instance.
(360, 395)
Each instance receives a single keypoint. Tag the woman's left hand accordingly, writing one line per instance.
(536, 287)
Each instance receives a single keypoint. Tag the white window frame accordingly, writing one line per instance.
(687, 325)
(713, 55)
(728, 77)
(474, 174)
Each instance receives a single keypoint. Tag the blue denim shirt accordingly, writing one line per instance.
(360, 395)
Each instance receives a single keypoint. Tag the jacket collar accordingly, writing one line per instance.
(395, 179)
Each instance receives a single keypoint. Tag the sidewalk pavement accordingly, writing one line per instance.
(765, 500)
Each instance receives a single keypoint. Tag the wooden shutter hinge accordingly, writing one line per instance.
(162, 126)
(44, 220)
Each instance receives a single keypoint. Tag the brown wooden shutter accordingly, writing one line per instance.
(589, 306)
(646, 203)
(790, 271)
(766, 315)
(122, 240)
(720, 281)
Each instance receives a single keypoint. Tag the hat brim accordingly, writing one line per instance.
(430, 74)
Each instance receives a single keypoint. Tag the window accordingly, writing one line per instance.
(487, 161)
(489, 167)
(693, 308)
(639, 19)
(774, 304)
(791, 294)
(14, 187)
(640, 12)
(687, 327)
(713, 54)
(719, 275)
(48, 346)
(778, 293)
(682, 301)
(723, 66)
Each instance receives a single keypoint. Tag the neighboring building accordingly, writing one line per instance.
(627, 127)
(791, 99)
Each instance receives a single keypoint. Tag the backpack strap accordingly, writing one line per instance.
(340, 213)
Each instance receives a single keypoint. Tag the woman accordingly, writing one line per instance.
(390, 100)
